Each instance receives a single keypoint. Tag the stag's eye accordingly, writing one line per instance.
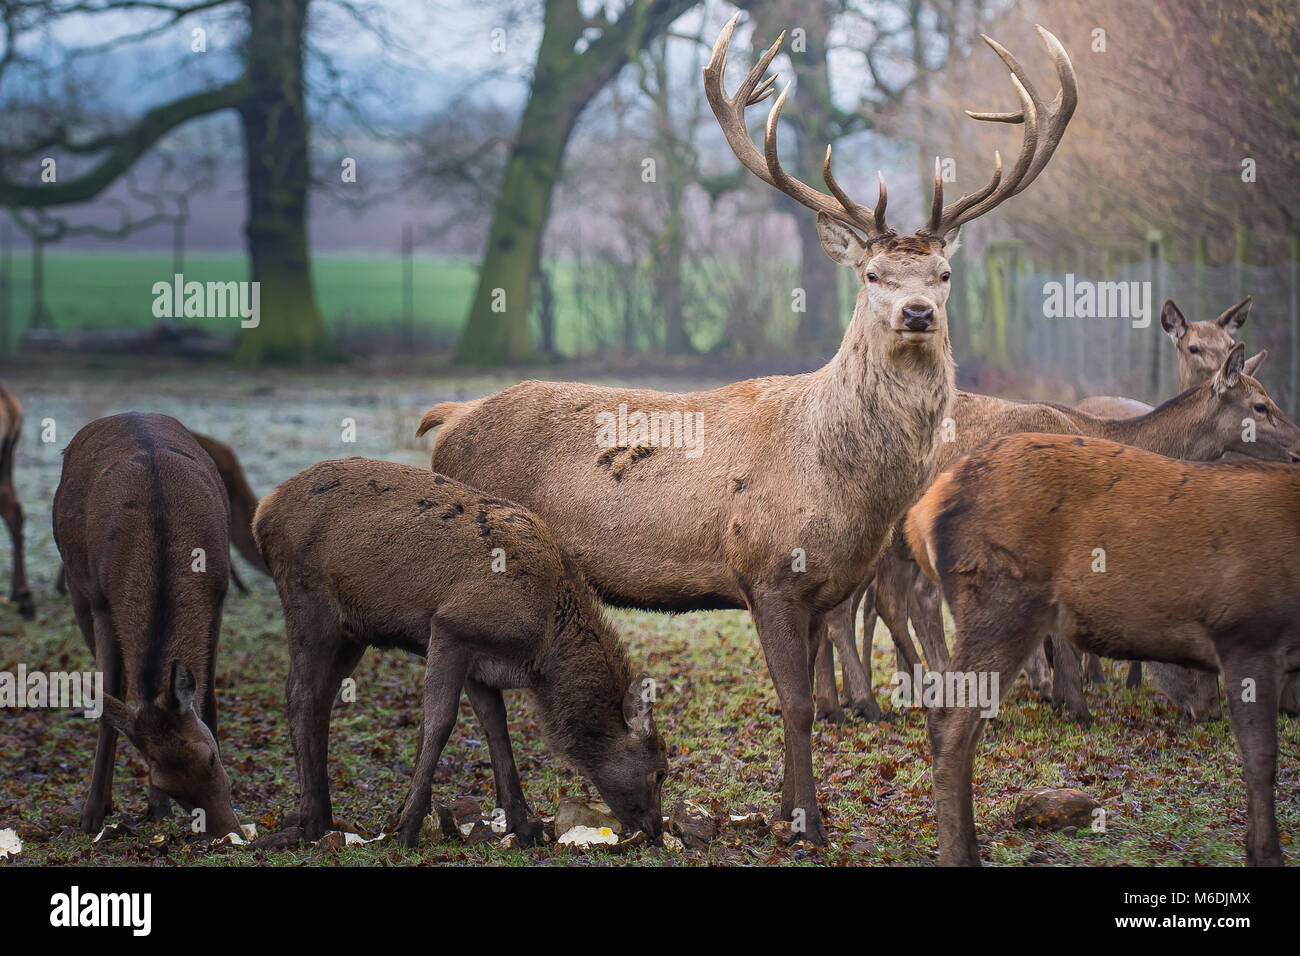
(872, 277)
(1261, 409)
(946, 276)
(1194, 350)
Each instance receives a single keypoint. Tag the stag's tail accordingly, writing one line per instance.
(443, 413)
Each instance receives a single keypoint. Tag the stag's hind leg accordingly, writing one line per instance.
(1067, 680)
(826, 698)
(857, 679)
(12, 511)
(997, 630)
(1252, 682)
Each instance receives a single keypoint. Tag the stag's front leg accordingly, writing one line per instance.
(783, 630)
(445, 670)
(99, 798)
(490, 707)
(1254, 724)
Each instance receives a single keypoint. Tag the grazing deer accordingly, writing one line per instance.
(373, 554)
(137, 501)
(242, 505)
(11, 424)
(1127, 554)
(795, 481)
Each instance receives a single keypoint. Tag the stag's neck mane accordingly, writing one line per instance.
(879, 400)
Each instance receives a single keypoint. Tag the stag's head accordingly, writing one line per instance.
(1202, 346)
(905, 279)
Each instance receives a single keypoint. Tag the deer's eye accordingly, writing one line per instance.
(1261, 409)
(872, 277)
(1194, 350)
(946, 276)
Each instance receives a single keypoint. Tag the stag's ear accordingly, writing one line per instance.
(1172, 320)
(840, 242)
(1230, 374)
(180, 690)
(951, 243)
(1235, 317)
(121, 718)
(639, 706)
(1254, 362)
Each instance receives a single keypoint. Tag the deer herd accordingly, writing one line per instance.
(1166, 535)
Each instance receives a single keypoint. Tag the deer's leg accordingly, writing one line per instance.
(869, 618)
(1067, 680)
(320, 657)
(996, 632)
(927, 619)
(783, 630)
(1134, 679)
(892, 602)
(99, 798)
(235, 580)
(445, 670)
(13, 516)
(1038, 672)
(857, 682)
(61, 582)
(1254, 724)
(826, 699)
(1289, 700)
(490, 707)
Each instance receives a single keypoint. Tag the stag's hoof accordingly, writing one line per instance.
(527, 831)
(867, 709)
(830, 714)
(92, 819)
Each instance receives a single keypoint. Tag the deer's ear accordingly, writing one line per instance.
(840, 242)
(1235, 317)
(1254, 362)
(1230, 374)
(1172, 320)
(639, 706)
(180, 690)
(121, 718)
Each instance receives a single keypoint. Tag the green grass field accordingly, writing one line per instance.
(1172, 791)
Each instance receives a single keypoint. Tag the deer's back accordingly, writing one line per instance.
(386, 546)
(137, 501)
(1124, 538)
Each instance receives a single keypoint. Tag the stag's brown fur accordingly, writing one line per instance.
(137, 495)
(368, 553)
(11, 424)
(1012, 531)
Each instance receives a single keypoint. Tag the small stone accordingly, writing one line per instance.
(581, 836)
(509, 842)
(782, 831)
(741, 822)
(693, 824)
(1046, 808)
(31, 833)
(480, 833)
(466, 810)
(577, 812)
(672, 844)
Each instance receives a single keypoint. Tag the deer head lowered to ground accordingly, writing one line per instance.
(798, 479)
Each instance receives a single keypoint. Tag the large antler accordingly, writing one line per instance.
(1044, 127)
(1035, 151)
(730, 112)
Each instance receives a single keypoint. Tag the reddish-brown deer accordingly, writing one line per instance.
(11, 424)
(1127, 554)
(142, 522)
(790, 490)
(373, 554)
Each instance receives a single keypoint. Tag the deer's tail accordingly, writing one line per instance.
(443, 413)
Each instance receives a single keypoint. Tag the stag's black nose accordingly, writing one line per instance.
(918, 319)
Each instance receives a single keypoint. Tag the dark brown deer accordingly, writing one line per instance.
(373, 554)
(243, 503)
(136, 500)
(11, 424)
(796, 481)
(1195, 564)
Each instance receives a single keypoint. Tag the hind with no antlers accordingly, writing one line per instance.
(373, 554)
(796, 480)
(1015, 533)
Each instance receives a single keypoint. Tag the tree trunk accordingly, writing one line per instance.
(564, 81)
(276, 153)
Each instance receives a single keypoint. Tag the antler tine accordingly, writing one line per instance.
(1040, 140)
(729, 111)
(936, 204)
(861, 214)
